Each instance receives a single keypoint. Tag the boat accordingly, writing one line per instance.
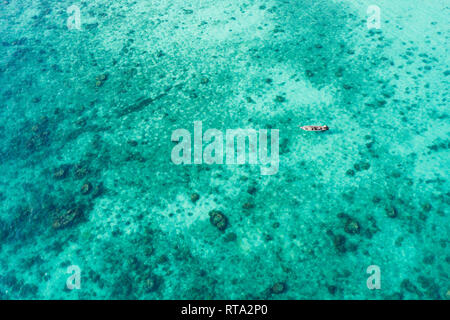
(315, 128)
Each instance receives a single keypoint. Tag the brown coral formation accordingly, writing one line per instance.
(80, 171)
(391, 212)
(39, 135)
(218, 219)
(67, 218)
(195, 197)
(352, 226)
(100, 80)
(248, 205)
(278, 288)
(60, 173)
(86, 188)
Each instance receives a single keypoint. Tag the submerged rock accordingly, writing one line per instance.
(204, 80)
(339, 72)
(80, 171)
(280, 99)
(339, 243)
(252, 190)
(332, 289)
(376, 199)
(67, 218)
(309, 73)
(352, 226)
(408, 285)
(391, 212)
(61, 172)
(278, 288)
(132, 143)
(361, 166)
(218, 219)
(195, 197)
(248, 205)
(250, 100)
(98, 190)
(86, 188)
(152, 284)
(100, 79)
(230, 237)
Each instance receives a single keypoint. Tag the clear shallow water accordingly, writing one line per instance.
(87, 178)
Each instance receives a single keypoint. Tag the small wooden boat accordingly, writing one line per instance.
(315, 128)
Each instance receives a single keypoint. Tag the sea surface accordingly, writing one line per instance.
(93, 207)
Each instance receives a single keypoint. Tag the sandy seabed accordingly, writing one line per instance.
(86, 118)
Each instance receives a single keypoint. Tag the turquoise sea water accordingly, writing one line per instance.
(86, 118)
